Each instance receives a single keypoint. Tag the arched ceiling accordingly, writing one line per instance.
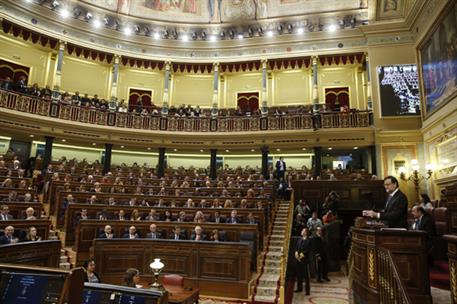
(202, 30)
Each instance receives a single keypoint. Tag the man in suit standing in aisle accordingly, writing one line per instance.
(302, 255)
(395, 212)
(320, 252)
(280, 168)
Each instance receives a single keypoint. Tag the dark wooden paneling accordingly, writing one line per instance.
(74, 209)
(88, 230)
(17, 209)
(42, 226)
(82, 197)
(217, 269)
(44, 253)
(409, 253)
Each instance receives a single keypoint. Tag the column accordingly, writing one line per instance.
(369, 92)
(114, 82)
(215, 102)
(166, 87)
(213, 165)
(265, 172)
(59, 65)
(47, 151)
(315, 88)
(161, 164)
(264, 108)
(107, 159)
(374, 168)
(317, 161)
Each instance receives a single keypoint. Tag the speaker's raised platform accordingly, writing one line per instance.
(389, 266)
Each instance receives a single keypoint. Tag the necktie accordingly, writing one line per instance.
(418, 224)
(176, 237)
(153, 236)
(388, 202)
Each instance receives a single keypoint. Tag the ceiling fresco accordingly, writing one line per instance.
(220, 11)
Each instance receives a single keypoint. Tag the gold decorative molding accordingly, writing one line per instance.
(371, 253)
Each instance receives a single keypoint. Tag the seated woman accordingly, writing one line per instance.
(29, 214)
(425, 201)
(32, 235)
(199, 217)
(214, 235)
(135, 216)
(132, 278)
(90, 275)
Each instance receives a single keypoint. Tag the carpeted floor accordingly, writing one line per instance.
(337, 292)
(333, 292)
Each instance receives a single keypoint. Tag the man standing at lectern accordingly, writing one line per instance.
(395, 211)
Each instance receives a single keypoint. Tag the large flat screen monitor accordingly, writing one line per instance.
(30, 288)
(399, 90)
(95, 293)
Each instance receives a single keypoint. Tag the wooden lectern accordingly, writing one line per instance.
(388, 266)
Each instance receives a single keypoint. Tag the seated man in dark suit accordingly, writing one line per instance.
(82, 216)
(152, 216)
(107, 233)
(121, 216)
(132, 233)
(216, 218)
(395, 212)
(251, 219)
(424, 222)
(102, 215)
(4, 214)
(177, 234)
(233, 219)
(198, 234)
(8, 237)
(153, 233)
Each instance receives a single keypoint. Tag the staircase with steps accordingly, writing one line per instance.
(65, 261)
(267, 288)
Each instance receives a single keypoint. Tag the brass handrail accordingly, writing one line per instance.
(391, 287)
(285, 251)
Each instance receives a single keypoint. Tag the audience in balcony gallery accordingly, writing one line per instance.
(139, 107)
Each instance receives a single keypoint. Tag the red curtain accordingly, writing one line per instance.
(144, 95)
(332, 95)
(248, 101)
(14, 71)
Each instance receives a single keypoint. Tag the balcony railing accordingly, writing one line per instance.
(39, 106)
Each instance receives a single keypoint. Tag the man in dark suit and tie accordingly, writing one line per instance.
(153, 234)
(8, 237)
(4, 214)
(424, 222)
(233, 219)
(107, 233)
(302, 255)
(251, 219)
(217, 218)
(280, 168)
(177, 234)
(395, 212)
(132, 234)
